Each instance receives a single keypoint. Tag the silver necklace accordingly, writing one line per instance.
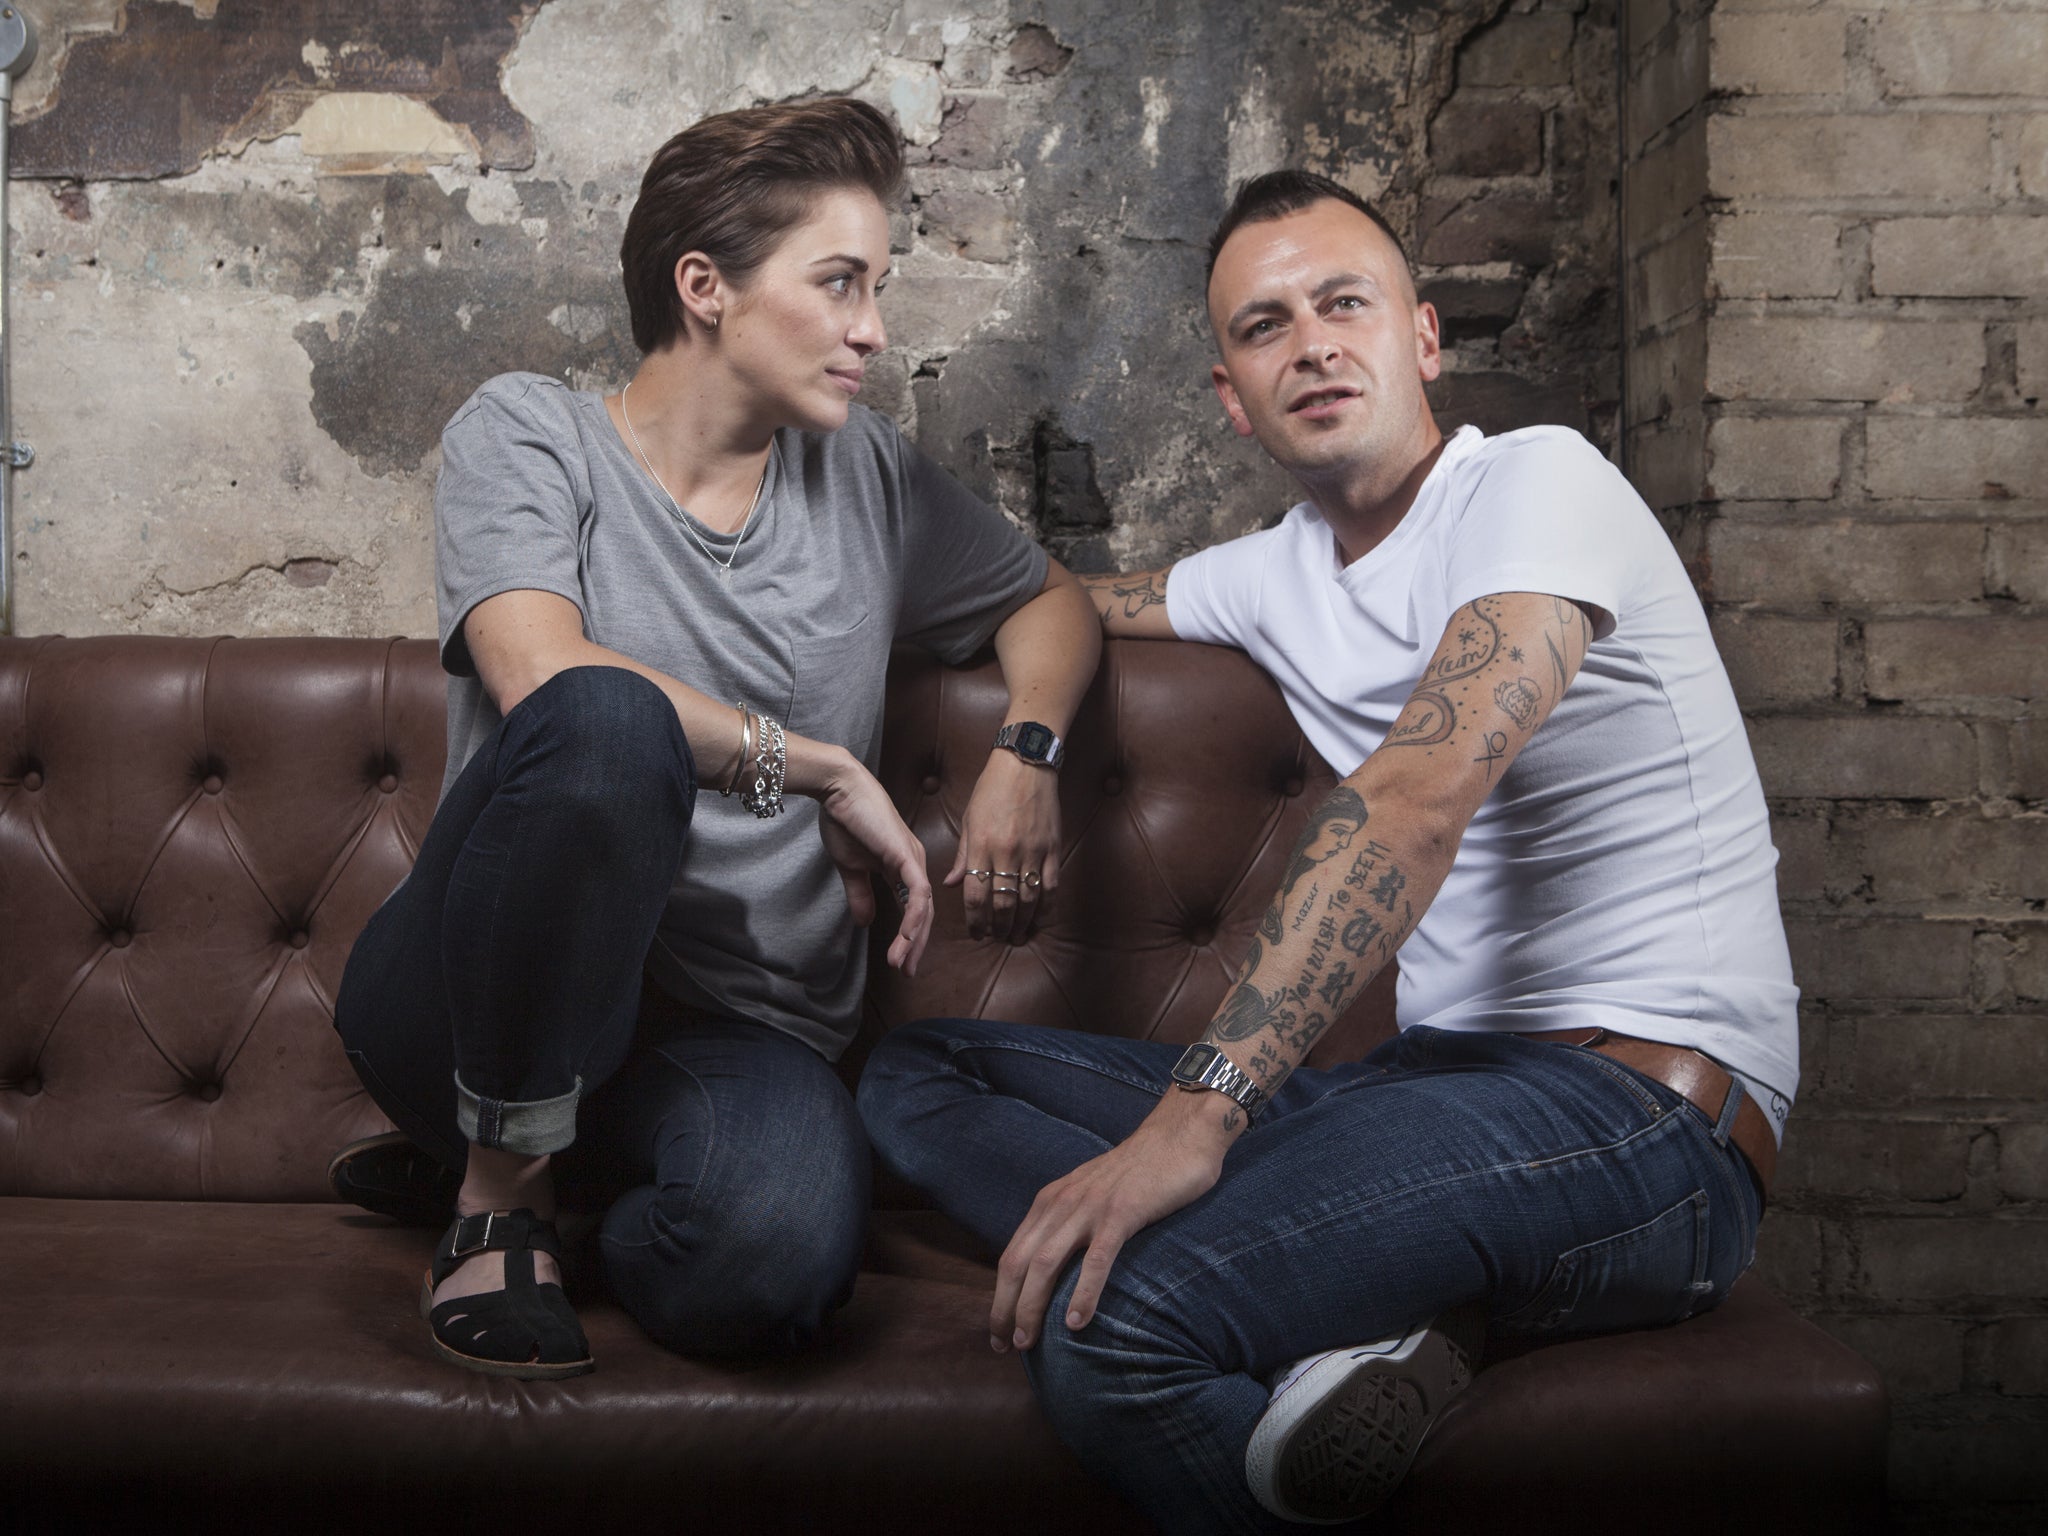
(723, 567)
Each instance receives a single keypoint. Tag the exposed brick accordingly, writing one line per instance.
(2033, 359)
(1938, 156)
(1952, 459)
(1520, 227)
(1666, 185)
(1790, 1256)
(1779, 53)
(1960, 257)
(1956, 1469)
(1520, 50)
(1802, 855)
(1487, 136)
(1810, 358)
(2023, 1161)
(1667, 280)
(1666, 373)
(1962, 53)
(1917, 1356)
(2029, 747)
(1772, 660)
(1667, 459)
(1936, 858)
(2032, 150)
(2018, 1347)
(981, 226)
(1776, 255)
(1881, 1159)
(1474, 306)
(2017, 563)
(1667, 82)
(1774, 459)
(1845, 562)
(1929, 658)
(1969, 1260)
(1879, 958)
(2027, 969)
(1914, 1058)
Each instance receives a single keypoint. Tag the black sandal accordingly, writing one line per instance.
(527, 1330)
(391, 1176)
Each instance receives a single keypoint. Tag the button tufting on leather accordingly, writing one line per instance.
(30, 1086)
(1112, 785)
(206, 1091)
(1292, 787)
(931, 784)
(32, 780)
(389, 783)
(1201, 935)
(211, 784)
(298, 938)
(119, 937)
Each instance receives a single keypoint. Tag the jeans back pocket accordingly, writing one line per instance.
(1650, 1275)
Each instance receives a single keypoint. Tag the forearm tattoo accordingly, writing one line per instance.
(1126, 596)
(1344, 892)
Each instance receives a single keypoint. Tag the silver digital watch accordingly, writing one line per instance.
(1203, 1066)
(1033, 742)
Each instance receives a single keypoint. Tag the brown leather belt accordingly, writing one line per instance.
(1698, 1079)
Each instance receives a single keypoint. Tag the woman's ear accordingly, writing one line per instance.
(700, 288)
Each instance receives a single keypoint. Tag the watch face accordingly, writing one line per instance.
(1034, 741)
(1195, 1062)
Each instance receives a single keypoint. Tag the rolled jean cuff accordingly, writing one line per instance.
(532, 1128)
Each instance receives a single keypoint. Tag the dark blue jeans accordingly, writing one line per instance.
(496, 998)
(1567, 1191)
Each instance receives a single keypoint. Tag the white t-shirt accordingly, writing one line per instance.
(1621, 873)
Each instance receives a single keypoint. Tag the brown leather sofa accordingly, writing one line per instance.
(191, 834)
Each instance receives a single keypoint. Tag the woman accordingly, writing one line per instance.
(690, 585)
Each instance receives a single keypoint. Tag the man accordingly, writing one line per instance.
(1549, 808)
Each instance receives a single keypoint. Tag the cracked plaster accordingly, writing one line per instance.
(235, 374)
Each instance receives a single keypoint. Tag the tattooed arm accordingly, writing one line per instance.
(1372, 858)
(1132, 605)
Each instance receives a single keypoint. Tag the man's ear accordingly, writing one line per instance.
(1232, 406)
(1429, 347)
(701, 289)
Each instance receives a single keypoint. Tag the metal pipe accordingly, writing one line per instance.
(17, 53)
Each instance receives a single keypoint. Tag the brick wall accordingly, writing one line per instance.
(1837, 357)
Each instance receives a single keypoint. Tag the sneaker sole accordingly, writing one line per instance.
(1338, 1442)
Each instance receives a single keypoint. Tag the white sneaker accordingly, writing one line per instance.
(1342, 1427)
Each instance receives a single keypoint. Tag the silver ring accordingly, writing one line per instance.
(1032, 879)
(982, 874)
(1004, 890)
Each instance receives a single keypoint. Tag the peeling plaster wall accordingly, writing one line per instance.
(263, 250)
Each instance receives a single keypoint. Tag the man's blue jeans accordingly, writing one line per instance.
(1567, 1191)
(497, 997)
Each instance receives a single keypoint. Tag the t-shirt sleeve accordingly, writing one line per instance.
(1549, 514)
(1213, 595)
(505, 512)
(965, 569)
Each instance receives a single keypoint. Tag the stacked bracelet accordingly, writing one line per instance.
(746, 749)
(771, 765)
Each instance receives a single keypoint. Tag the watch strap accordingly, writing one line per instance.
(1202, 1065)
(1024, 736)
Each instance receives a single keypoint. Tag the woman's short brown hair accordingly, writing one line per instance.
(734, 184)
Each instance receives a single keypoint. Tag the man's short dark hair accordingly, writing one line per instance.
(734, 184)
(1279, 193)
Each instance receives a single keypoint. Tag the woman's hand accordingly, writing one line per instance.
(864, 836)
(1011, 831)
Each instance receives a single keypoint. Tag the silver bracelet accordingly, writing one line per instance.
(771, 767)
(739, 768)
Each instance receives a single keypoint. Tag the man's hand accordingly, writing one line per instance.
(864, 835)
(1011, 830)
(1171, 1160)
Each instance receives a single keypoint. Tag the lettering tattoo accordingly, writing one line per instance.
(1430, 718)
(1478, 643)
(1307, 905)
(1392, 883)
(1336, 985)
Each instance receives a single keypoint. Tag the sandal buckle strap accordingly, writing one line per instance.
(472, 1234)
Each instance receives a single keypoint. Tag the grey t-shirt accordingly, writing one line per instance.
(859, 541)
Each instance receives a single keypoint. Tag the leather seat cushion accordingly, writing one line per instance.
(163, 1350)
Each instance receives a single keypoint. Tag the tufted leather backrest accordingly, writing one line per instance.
(192, 833)
(1185, 786)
